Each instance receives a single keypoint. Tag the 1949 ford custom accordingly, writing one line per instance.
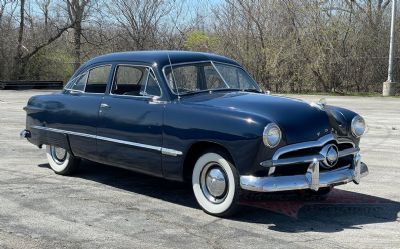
(197, 117)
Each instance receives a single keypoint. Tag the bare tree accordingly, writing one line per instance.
(44, 6)
(141, 20)
(77, 11)
(24, 53)
(18, 58)
(287, 45)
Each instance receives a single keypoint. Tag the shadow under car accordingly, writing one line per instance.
(288, 211)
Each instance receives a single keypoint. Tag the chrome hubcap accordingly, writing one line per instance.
(214, 182)
(58, 154)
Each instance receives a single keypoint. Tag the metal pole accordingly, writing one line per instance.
(389, 87)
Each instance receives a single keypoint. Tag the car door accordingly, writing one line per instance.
(130, 120)
(80, 110)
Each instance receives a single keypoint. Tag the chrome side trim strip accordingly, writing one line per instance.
(113, 140)
(164, 151)
(64, 131)
(171, 152)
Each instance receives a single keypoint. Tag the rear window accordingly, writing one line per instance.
(93, 81)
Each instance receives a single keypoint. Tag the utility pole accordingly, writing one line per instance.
(389, 87)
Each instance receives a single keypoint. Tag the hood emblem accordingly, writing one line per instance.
(330, 152)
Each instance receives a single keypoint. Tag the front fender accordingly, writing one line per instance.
(341, 121)
(239, 132)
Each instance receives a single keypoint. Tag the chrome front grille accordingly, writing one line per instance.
(295, 158)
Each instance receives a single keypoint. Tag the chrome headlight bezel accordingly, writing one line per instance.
(269, 130)
(356, 129)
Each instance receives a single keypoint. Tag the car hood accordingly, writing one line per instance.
(299, 121)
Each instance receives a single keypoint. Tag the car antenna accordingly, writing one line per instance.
(173, 76)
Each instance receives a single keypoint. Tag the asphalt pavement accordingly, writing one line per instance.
(105, 207)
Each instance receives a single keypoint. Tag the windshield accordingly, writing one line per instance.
(206, 76)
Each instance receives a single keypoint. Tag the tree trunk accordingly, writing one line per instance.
(77, 44)
(19, 69)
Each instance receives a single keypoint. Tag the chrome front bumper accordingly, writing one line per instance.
(25, 134)
(313, 179)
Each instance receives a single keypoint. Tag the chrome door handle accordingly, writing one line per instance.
(104, 105)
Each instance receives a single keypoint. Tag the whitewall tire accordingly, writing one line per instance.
(215, 184)
(61, 161)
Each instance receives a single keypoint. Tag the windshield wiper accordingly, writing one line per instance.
(240, 89)
(251, 90)
(190, 92)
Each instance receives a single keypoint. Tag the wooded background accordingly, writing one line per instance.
(287, 45)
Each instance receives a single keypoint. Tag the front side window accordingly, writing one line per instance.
(204, 76)
(97, 79)
(135, 81)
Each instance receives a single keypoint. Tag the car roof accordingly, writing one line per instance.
(160, 57)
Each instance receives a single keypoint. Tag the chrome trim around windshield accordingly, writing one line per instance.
(205, 61)
(219, 73)
(164, 151)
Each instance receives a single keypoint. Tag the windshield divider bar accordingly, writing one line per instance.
(220, 75)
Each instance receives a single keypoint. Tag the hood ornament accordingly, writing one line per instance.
(322, 102)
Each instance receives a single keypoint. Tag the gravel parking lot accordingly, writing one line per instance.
(104, 207)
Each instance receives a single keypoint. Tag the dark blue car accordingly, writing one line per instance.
(198, 117)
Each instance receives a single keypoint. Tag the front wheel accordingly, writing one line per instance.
(61, 162)
(215, 184)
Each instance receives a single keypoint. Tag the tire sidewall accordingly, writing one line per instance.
(231, 199)
(58, 168)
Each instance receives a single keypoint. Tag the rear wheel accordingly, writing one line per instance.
(215, 184)
(61, 162)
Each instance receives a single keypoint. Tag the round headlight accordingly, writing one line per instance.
(357, 126)
(272, 135)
